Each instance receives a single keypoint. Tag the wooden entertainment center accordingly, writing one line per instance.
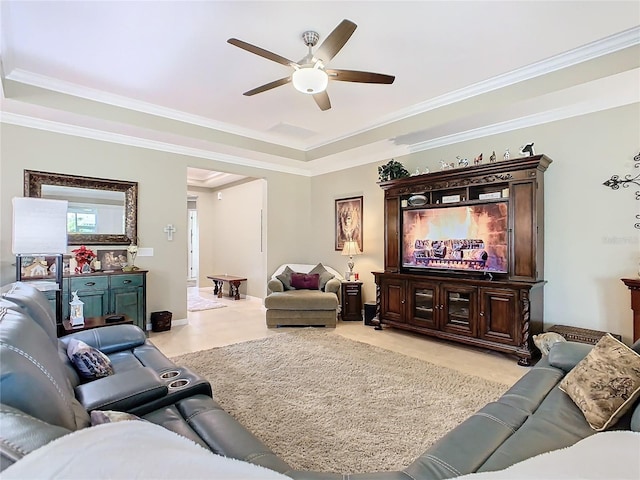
(498, 310)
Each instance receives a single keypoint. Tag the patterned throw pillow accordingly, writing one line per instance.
(325, 276)
(606, 383)
(90, 362)
(98, 417)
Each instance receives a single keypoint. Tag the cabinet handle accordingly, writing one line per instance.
(482, 314)
(90, 284)
(402, 301)
(127, 281)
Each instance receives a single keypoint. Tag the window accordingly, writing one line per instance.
(82, 220)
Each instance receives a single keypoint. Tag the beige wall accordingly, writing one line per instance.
(230, 235)
(590, 239)
(162, 200)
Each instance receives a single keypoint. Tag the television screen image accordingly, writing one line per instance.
(472, 238)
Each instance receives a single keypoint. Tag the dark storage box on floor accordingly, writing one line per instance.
(160, 321)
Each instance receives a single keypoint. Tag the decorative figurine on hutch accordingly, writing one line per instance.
(527, 150)
(463, 162)
(445, 166)
(478, 160)
(492, 158)
(76, 314)
(506, 154)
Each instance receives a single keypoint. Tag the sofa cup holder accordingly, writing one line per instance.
(179, 383)
(170, 374)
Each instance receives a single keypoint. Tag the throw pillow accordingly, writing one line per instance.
(325, 276)
(606, 383)
(90, 362)
(308, 281)
(98, 417)
(285, 277)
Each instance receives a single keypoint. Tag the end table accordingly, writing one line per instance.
(351, 301)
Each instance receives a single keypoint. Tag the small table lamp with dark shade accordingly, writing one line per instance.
(350, 249)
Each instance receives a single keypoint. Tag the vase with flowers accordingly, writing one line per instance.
(84, 256)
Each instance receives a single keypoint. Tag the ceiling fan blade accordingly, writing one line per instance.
(322, 99)
(261, 52)
(268, 86)
(360, 77)
(335, 40)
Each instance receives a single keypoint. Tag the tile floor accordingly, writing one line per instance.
(244, 320)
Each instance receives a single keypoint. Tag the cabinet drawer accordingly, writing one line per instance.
(122, 281)
(89, 283)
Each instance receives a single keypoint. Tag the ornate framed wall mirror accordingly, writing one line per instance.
(101, 211)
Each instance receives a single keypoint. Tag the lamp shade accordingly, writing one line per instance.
(351, 248)
(39, 226)
(310, 80)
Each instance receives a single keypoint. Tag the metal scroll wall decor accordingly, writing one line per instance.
(615, 182)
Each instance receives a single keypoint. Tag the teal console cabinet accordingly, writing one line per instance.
(123, 293)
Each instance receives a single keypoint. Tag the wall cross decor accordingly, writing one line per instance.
(615, 182)
(169, 229)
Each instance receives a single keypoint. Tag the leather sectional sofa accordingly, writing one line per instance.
(43, 399)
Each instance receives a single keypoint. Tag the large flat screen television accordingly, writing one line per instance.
(458, 238)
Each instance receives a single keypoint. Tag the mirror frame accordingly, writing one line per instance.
(33, 181)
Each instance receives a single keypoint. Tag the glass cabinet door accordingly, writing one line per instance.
(423, 303)
(459, 309)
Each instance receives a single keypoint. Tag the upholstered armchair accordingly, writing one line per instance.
(302, 295)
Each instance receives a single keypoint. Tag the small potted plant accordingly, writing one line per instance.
(391, 171)
(84, 256)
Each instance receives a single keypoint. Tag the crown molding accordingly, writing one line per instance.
(547, 116)
(581, 54)
(96, 134)
(607, 45)
(67, 88)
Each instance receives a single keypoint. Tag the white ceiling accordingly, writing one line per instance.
(161, 73)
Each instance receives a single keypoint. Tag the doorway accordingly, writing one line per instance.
(227, 229)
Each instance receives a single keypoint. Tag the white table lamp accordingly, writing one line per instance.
(350, 249)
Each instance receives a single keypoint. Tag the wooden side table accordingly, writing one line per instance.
(94, 322)
(634, 286)
(351, 301)
(234, 285)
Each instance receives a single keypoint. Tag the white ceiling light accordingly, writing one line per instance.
(310, 80)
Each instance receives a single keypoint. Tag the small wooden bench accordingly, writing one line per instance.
(234, 285)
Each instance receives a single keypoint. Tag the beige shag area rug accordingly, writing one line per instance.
(323, 402)
(196, 303)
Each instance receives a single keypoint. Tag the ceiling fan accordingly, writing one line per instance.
(310, 74)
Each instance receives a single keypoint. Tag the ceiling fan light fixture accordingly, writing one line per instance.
(310, 80)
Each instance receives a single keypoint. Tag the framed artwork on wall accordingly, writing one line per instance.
(348, 220)
(37, 267)
(112, 259)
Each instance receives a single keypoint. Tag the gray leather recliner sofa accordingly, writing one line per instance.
(42, 399)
